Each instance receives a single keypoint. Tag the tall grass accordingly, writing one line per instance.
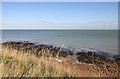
(0, 61)
(0, 70)
(24, 65)
(28, 63)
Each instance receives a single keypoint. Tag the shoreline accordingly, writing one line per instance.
(75, 46)
(74, 49)
(62, 51)
(88, 58)
(78, 46)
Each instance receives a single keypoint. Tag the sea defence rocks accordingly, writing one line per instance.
(36, 49)
(117, 57)
(89, 57)
(84, 55)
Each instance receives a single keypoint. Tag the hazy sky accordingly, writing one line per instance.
(60, 15)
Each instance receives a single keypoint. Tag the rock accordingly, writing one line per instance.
(116, 57)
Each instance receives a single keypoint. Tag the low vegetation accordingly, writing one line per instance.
(30, 60)
(24, 65)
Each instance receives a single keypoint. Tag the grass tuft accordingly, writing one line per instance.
(24, 65)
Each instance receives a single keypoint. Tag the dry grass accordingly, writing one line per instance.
(0, 61)
(23, 65)
(0, 70)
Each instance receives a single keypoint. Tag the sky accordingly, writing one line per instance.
(60, 0)
(60, 15)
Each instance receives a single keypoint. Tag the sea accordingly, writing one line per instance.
(104, 40)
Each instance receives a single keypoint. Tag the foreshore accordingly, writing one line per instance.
(90, 62)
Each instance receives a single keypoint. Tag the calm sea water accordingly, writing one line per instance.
(99, 39)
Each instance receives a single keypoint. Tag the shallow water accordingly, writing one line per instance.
(99, 39)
